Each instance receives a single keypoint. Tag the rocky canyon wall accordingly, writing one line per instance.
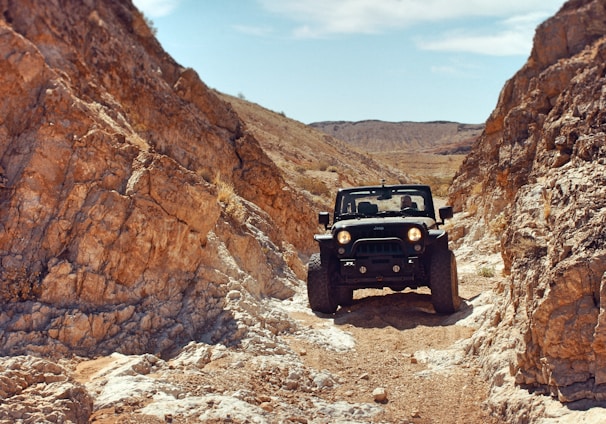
(133, 200)
(537, 176)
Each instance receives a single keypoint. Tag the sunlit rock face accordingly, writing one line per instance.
(132, 199)
(537, 177)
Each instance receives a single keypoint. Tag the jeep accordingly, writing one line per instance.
(383, 236)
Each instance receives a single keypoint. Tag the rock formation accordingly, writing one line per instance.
(538, 177)
(132, 199)
(439, 137)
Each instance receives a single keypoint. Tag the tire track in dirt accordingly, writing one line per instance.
(402, 345)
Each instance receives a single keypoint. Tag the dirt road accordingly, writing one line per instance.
(325, 369)
(402, 346)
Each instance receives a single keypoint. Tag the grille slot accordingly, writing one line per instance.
(388, 246)
(370, 248)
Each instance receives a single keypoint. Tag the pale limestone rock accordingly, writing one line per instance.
(537, 180)
(379, 395)
(37, 390)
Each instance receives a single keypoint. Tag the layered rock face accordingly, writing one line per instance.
(132, 199)
(538, 177)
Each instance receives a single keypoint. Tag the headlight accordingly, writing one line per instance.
(343, 237)
(414, 234)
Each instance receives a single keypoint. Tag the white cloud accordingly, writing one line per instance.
(321, 18)
(156, 8)
(257, 31)
(458, 68)
(508, 38)
(503, 44)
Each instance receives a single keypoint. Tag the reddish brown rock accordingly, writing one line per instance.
(132, 199)
(540, 170)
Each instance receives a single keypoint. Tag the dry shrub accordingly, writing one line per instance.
(546, 203)
(486, 271)
(472, 208)
(477, 189)
(439, 185)
(313, 185)
(19, 283)
(323, 165)
(498, 224)
(231, 202)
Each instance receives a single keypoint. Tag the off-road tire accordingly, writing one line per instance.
(344, 296)
(321, 298)
(444, 282)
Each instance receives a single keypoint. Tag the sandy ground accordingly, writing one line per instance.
(401, 345)
(323, 369)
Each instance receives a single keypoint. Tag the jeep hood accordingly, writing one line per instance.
(392, 220)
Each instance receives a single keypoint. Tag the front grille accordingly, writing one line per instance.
(385, 248)
(390, 246)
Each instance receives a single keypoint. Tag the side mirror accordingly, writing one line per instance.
(446, 213)
(324, 219)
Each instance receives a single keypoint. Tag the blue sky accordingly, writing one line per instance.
(352, 60)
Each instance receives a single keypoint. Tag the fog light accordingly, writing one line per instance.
(418, 247)
(363, 269)
(341, 250)
(396, 268)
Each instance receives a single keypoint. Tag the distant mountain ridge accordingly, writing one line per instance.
(441, 137)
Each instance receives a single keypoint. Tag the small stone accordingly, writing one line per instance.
(233, 295)
(300, 420)
(323, 380)
(364, 376)
(380, 395)
(291, 384)
(264, 398)
(266, 406)
(413, 360)
(415, 414)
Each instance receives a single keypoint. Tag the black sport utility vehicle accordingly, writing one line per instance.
(383, 236)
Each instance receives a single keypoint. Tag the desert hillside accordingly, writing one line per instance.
(437, 137)
(429, 152)
(312, 162)
(319, 163)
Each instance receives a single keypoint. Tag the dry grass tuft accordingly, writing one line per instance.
(232, 203)
(313, 185)
(19, 283)
(498, 224)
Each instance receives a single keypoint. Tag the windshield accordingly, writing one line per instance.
(385, 201)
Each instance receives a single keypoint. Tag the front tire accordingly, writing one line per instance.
(344, 296)
(319, 293)
(444, 282)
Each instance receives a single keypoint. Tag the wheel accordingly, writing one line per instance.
(444, 282)
(319, 293)
(344, 296)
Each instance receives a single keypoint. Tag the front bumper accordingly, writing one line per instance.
(379, 271)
